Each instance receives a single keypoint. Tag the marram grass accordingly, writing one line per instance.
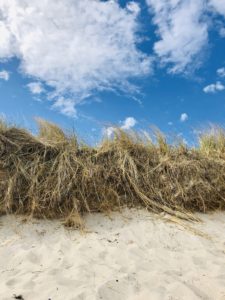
(52, 176)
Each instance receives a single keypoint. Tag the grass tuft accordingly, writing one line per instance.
(51, 175)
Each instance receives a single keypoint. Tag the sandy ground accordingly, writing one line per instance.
(134, 256)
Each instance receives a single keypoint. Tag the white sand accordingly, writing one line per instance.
(134, 256)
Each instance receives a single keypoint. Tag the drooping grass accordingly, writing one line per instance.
(51, 176)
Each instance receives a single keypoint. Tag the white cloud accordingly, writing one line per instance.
(66, 106)
(222, 32)
(214, 87)
(183, 117)
(109, 131)
(181, 30)
(221, 72)
(218, 6)
(133, 7)
(4, 75)
(129, 123)
(75, 47)
(36, 87)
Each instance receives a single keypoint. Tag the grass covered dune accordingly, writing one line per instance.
(51, 175)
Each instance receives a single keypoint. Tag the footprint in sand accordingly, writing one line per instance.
(118, 289)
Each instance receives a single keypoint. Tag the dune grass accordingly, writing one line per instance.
(51, 175)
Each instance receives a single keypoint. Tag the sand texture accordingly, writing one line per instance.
(134, 255)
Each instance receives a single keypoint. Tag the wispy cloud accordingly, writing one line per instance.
(108, 131)
(36, 88)
(75, 47)
(133, 7)
(184, 117)
(4, 75)
(65, 106)
(129, 123)
(222, 32)
(221, 72)
(182, 33)
(214, 87)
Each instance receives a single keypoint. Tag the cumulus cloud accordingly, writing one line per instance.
(129, 123)
(183, 117)
(35, 88)
(221, 72)
(74, 47)
(4, 75)
(214, 87)
(181, 31)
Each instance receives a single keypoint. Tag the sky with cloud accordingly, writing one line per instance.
(91, 64)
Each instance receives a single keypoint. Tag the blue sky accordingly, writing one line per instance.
(90, 65)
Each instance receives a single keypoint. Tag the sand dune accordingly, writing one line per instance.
(134, 256)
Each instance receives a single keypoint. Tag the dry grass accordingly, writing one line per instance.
(52, 176)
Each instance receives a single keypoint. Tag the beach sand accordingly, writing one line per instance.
(134, 255)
